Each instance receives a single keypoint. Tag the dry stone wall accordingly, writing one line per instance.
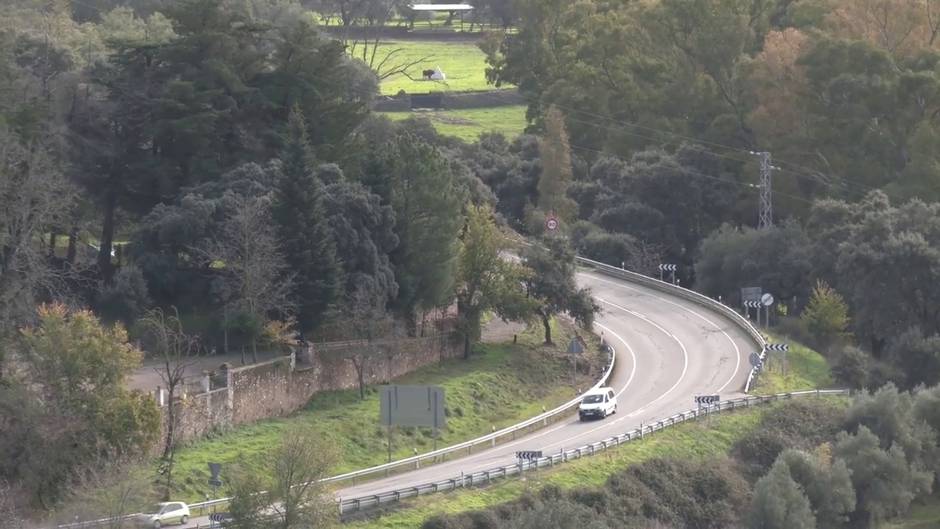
(284, 385)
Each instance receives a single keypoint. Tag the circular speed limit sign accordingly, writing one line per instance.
(551, 223)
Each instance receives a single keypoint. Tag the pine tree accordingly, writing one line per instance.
(308, 244)
(556, 168)
(428, 202)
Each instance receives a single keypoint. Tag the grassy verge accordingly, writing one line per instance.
(463, 63)
(804, 368)
(499, 386)
(468, 124)
(923, 516)
(687, 441)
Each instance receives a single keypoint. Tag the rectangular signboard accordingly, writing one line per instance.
(412, 406)
(751, 294)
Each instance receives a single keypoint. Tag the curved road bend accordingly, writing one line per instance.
(668, 350)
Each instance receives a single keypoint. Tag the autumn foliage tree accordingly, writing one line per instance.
(556, 174)
(826, 316)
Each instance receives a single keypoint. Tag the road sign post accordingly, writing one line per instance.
(667, 267)
(411, 406)
(750, 294)
(214, 481)
(551, 222)
(781, 348)
(575, 348)
(756, 305)
(767, 300)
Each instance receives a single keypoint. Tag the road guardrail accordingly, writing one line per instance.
(694, 297)
(535, 422)
(350, 505)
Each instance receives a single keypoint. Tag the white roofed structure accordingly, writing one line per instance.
(441, 7)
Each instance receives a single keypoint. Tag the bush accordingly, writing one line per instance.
(126, 298)
(852, 367)
(682, 493)
(801, 425)
(917, 357)
(795, 329)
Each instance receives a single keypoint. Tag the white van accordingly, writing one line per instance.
(599, 402)
(167, 513)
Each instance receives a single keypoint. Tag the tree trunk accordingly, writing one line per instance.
(411, 323)
(548, 329)
(170, 421)
(73, 245)
(466, 346)
(53, 235)
(168, 442)
(254, 350)
(360, 366)
(107, 238)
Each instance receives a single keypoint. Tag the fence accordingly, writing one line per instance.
(350, 505)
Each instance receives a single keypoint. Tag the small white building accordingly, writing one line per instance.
(451, 10)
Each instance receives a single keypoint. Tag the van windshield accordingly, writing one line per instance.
(593, 399)
(153, 509)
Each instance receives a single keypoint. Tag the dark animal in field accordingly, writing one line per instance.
(427, 74)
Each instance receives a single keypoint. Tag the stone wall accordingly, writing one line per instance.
(284, 385)
(450, 100)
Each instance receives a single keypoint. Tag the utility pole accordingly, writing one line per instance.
(766, 211)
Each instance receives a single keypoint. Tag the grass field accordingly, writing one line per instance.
(463, 63)
(688, 441)
(468, 124)
(500, 386)
(924, 516)
(804, 369)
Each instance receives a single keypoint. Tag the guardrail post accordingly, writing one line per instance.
(494, 438)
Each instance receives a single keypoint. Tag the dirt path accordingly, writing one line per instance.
(497, 330)
(146, 378)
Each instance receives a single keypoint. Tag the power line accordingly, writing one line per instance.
(699, 174)
(804, 172)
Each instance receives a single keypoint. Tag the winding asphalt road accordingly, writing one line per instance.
(668, 350)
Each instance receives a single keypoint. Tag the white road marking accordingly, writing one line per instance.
(564, 424)
(685, 354)
(632, 355)
(737, 350)
(685, 368)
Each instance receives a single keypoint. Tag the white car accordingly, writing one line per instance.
(599, 402)
(166, 513)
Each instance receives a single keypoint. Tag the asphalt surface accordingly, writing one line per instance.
(668, 350)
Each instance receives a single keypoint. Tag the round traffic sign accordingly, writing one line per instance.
(551, 223)
(767, 299)
(755, 359)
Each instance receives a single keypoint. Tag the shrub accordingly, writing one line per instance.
(852, 367)
(684, 493)
(126, 298)
(801, 425)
